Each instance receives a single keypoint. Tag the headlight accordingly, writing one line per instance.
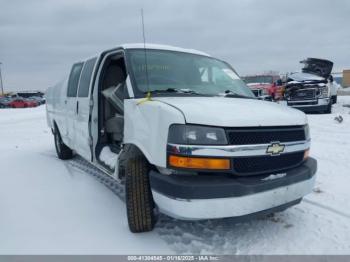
(196, 135)
(307, 132)
(324, 91)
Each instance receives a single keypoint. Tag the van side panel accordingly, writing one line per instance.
(55, 108)
(144, 125)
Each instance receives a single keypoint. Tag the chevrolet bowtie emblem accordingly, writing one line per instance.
(275, 149)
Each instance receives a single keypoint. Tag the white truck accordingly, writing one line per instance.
(184, 134)
(311, 90)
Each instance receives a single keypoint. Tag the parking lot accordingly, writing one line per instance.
(55, 207)
(17, 101)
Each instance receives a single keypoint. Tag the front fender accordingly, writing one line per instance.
(146, 126)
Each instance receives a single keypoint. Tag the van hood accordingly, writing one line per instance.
(234, 112)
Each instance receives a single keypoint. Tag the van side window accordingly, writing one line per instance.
(74, 80)
(85, 79)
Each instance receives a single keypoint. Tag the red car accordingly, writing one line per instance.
(31, 102)
(21, 103)
(265, 85)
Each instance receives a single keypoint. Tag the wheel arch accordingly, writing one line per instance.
(54, 127)
(130, 150)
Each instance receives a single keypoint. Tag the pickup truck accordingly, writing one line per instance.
(312, 90)
(183, 133)
(265, 85)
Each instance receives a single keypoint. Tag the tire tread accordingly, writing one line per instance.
(139, 200)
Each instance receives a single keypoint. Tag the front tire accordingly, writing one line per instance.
(63, 151)
(334, 99)
(139, 199)
(329, 108)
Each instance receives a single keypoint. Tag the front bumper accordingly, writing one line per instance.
(219, 196)
(320, 104)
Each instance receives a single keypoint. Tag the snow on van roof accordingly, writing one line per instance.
(163, 47)
(149, 46)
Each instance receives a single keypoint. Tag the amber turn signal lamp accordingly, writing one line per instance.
(199, 163)
(306, 154)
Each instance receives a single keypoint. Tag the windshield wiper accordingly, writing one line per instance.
(158, 91)
(229, 93)
(189, 91)
(172, 90)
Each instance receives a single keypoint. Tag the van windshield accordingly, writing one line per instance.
(183, 73)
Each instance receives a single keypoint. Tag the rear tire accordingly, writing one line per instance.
(138, 194)
(63, 151)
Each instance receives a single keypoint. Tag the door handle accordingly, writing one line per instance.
(77, 107)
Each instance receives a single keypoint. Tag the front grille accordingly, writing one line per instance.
(264, 164)
(257, 92)
(265, 135)
(306, 103)
(303, 94)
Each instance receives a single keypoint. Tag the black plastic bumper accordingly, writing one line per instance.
(217, 185)
(307, 109)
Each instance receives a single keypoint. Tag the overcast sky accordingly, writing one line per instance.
(39, 39)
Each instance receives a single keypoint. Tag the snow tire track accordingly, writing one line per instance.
(106, 180)
(343, 214)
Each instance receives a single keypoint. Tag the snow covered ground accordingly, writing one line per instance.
(49, 206)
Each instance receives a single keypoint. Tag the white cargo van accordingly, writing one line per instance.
(184, 132)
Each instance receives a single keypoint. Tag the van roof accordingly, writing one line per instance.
(149, 46)
(163, 47)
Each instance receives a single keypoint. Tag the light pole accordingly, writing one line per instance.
(2, 86)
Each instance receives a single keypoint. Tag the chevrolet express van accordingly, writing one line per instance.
(183, 133)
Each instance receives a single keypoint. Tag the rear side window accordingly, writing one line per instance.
(85, 79)
(74, 80)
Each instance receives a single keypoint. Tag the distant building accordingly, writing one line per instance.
(346, 78)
